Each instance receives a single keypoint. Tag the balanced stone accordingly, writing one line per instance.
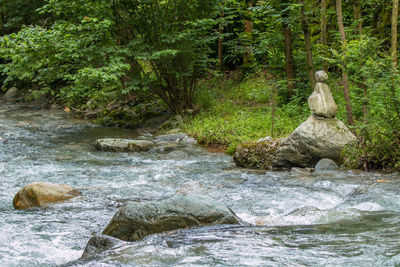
(321, 76)
(134, 221)
(321, 101)
(40, 194)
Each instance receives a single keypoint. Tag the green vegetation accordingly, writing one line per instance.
(245, 67)
(241, 111)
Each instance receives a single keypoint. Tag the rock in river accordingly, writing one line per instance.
(326, 165)
(40, 194)
(123, 145)
(98, 244)
(316, 138)
(137, 220)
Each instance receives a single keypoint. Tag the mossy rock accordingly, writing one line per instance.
(257, 155)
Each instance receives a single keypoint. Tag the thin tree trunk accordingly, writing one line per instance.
(248, 29)
(395, 13)
(357, 16)
(220, 47)
(308, 46)
(324, 36)
(345, 79)
(220, 43)
(290, 69)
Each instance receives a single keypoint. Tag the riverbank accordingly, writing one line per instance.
(230, 110)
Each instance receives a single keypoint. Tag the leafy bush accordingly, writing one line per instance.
(71, 61)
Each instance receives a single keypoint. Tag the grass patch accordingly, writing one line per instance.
(241, 111)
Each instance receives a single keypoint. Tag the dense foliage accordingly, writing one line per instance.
(89, 53)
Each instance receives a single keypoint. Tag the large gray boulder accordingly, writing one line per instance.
(134, 221)
(122, 145)
(315, 139)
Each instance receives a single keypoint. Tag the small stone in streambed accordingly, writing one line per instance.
(326, 165)
(40, 194)
(122, 145)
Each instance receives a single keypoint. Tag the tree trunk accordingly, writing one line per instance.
(290, 69)
(220, 47)
(308, 46)
(345, 79)
(357, 16)
(248, 30)
(324, 36)
(395, 13)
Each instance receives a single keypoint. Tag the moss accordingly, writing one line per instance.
(257, 155)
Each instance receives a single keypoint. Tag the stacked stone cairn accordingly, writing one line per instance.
(320, 136)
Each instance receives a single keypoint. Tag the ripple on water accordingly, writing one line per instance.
(335, 219)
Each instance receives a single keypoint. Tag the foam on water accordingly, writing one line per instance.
(338, 218)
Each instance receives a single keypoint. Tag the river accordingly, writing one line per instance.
(344, 218)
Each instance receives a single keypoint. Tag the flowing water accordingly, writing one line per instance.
(297, 219)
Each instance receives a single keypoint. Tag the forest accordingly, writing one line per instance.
(235, 70)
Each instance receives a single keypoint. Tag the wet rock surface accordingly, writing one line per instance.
(326, 165)
(40, 194)
(98, 244)
(137, 220)
(122, 145)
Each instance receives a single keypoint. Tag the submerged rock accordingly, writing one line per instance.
(192, 187)
(40, 194)
(122, 145)
(98, 244)
(326, 165)
(315, 139)
(137, 220)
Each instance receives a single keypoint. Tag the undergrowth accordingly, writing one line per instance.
(238, 111)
